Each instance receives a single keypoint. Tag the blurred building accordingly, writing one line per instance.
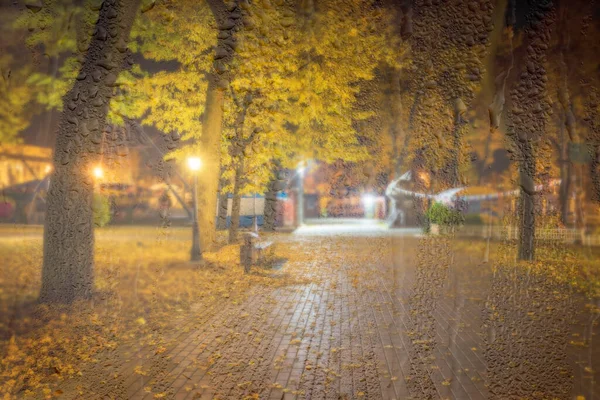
(23, 163)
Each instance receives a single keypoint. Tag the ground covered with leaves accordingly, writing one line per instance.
(145, 286)
(328, 317)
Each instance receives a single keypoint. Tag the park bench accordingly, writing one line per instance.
(252, 250)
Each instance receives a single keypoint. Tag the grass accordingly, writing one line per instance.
(579, 266)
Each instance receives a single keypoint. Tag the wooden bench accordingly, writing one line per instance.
(252, 251)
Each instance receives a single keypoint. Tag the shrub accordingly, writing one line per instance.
(441, 215)
(101, 209)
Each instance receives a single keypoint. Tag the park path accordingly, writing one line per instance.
(383, 317)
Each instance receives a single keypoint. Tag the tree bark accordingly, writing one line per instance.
(223, 203)
(270, 210)
(564, 98)
(44, 133)
(455, 151)
(495, 84)
(68, 265)
(223, 208)
(228, 22)
(527, 203)
(211, 158)
(594, 171)
(236, 203)
(396, 130)
(407, 136)
(528, 118)
(565, 188)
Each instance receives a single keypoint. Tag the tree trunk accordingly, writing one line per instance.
(407, 135)
(495, 87)
(565, 178)
(68, 266)
(223, 203)
(564, 98)
(44, 133)
(270, 210)
(455, 151)
(565, 188)
(527, 203)
(528, 120)
(595, 174)
(211, 158)
(223, 208)
(213, 118)
(396, 130)
(236, 203)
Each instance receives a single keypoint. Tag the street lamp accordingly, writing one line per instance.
(98, 172)
(194, 164)
(368, 202)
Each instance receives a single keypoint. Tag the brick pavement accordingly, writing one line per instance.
(384, 318)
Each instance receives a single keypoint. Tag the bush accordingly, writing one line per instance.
(441, 215)
(101, 209)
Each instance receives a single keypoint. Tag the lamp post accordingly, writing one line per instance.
(194, 164)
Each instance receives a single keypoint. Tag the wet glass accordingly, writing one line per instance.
(313, 199)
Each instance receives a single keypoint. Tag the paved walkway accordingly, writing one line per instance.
(385, 317)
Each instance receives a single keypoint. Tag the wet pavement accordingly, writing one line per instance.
(384, 317)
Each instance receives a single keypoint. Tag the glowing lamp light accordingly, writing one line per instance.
(48, 169)
(194, 163)
(98, 172)
(301, 168)
(368, 200)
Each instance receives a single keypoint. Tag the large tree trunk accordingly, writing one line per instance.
(528, 118)
(236, 203)
(211, 158)
(228, 22)
(68, 267)
(527, 203)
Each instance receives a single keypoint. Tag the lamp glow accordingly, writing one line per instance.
(194, 163)
(369, 204)
(368, 200)
(98, 172)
